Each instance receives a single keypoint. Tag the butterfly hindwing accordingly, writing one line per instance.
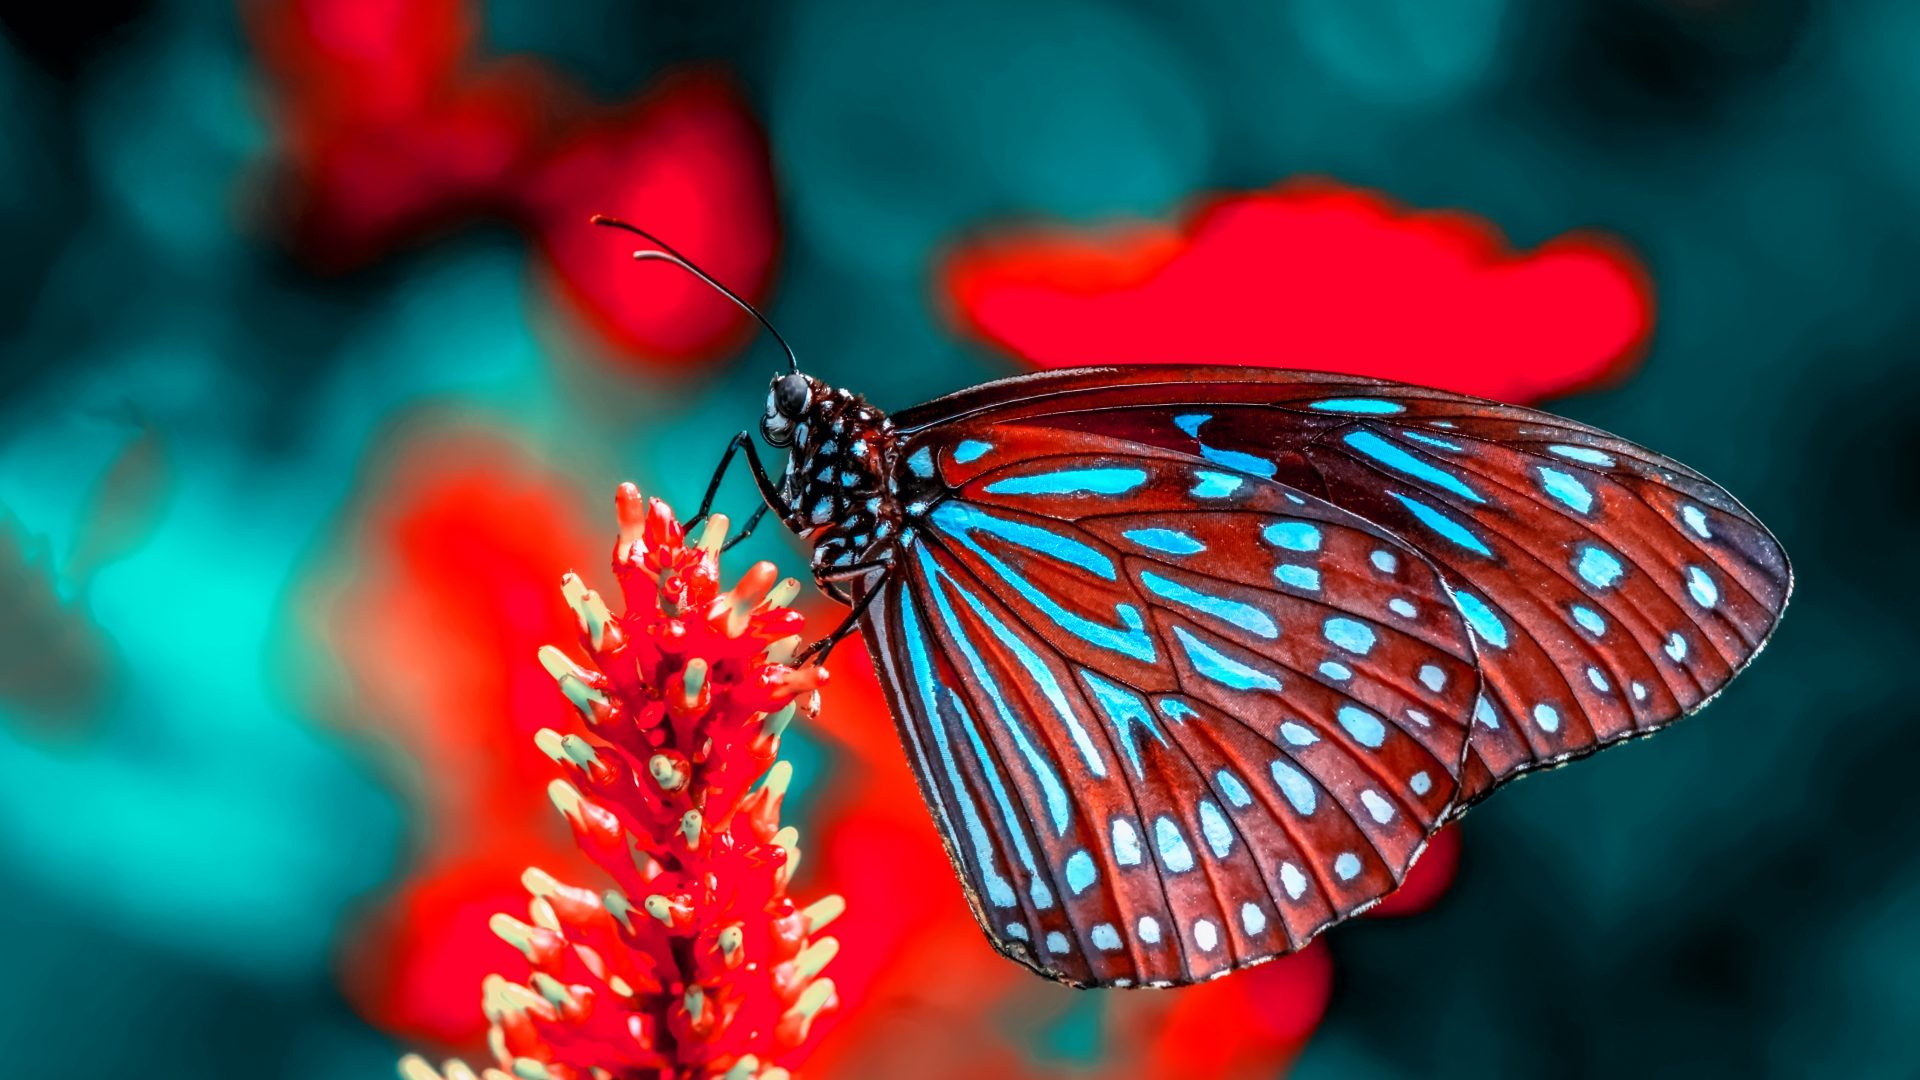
(1173, 720)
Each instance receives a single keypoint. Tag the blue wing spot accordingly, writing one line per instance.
(1547, 717)
(1400, 461)
(1165, 541)
(1677, 646)
(1448, 528)
(1598, 680)
(1432, 677)
(1178, 711)
(1483, 712)
(1350, 634)
(1221, 668)
(1347, 866)
(1441, 444)
(1420, 783)
(1126, 843)
(1080, 872)
(1149, 930)
(1016, 931)
(1377, 806)
(1057, 943)
(1123, 710)
(1566, 488)
(1705, 592)
(1296, 787)
(1105, 937)
(960, 519)
(1233, 789)
(1234, 459)
(1600, 569)
(1175, 855)
(1293, 535)
(1639, 692)
(1589, 620)
(1214, 485)
(1696, 520)
(1298, 734)
(970, 451)
(1213, 825)
(1292, 880)
(1402, 607)
(1364, 406)
(1133, 641)
(1300, 577)
(1384, 561)
(1232, 612)
(1366, 728)
(1336, 671)
(1586, 455)
(1252, 918)
(1204, 934)
(1481, 619)
(1094, 481)
(921, 462)
(1191, 422)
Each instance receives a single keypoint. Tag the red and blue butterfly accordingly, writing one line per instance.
(1191, 663)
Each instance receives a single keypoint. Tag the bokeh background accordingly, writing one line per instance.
(313, 380)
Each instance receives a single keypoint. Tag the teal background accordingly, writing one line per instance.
(179, 835)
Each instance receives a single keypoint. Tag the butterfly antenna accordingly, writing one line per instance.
(665, 252)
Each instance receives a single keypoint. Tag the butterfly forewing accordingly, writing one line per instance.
(1609, 590)
(1173, 719)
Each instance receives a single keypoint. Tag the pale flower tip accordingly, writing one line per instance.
(695, 1000)
(458, 1070)
(784, 593)
(784, 650)
(620, 986)
(556, 662)
(815, 957)
(731, 940)
(539, 882)
(588, 608)
(621, 908)
(500, 999)
(579, 751)
(746, 1068)
(780, 776)
(777, 721)
(526, 1068)
(513, 932)
(549, 742)
(552, 989)
(776, 1073)
(566, 798)
(658, 907)
(715, 534)
(415, 1067)
(823, 911)
(690, 823)
(812, 999)
(543, 915)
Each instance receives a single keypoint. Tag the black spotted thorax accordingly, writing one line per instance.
(848, 493)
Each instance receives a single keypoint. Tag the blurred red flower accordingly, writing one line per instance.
(391, 131)
(1318, 276)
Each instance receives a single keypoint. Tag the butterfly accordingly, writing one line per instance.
(1192, 662)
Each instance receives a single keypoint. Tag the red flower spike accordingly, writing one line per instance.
(698, 964)
(1317, 276)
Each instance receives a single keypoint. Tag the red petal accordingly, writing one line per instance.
(1316, 276)
(689, 164)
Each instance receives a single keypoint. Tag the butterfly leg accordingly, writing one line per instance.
(770, 495)
(818, 651)
(747, 529)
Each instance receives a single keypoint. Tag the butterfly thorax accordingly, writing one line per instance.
(843, 488)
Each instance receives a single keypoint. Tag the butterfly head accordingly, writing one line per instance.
(788, 401)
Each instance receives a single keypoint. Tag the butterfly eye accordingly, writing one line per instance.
(791, 395)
